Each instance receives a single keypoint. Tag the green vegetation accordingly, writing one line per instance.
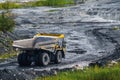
(31, 4)
(9, 5)
(52, 10)
(54, 3)
(8, 55)
(116, 28)
(107, 73)
(58, 2)
(6, 22)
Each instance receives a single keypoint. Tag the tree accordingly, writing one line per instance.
(7, 22)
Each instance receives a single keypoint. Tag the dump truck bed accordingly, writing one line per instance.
(39, 41)
(24, 44)
(31, 44)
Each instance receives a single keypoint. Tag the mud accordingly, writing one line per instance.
(90, 35)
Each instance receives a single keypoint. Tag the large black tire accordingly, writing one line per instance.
(58, 57)
(43, 59)
(24, 59)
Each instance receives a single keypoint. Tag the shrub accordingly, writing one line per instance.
(6, 22)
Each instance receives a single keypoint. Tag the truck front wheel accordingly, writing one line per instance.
(58, 57)
(43, 59)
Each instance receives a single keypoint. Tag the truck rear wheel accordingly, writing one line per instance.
(24, 59)
(43, 59)
(58, 57)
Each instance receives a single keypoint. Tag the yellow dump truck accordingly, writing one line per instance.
(42, 49)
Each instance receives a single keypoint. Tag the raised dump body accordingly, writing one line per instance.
(23, 44)
(40, 41)
(41, 49)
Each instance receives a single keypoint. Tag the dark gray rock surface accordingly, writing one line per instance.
(88, 28)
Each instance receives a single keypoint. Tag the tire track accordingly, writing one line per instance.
(102, 37)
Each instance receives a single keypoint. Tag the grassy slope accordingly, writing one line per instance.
(8, 55)
(55, 3)
(96, 73)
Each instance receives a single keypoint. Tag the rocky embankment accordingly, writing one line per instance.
(6, 41)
